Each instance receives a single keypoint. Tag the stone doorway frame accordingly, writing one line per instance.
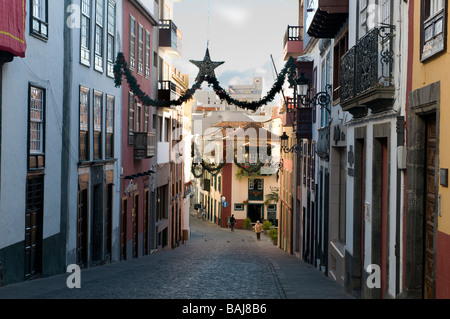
(422, 103)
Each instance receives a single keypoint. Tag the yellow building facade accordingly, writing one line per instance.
(427, 218)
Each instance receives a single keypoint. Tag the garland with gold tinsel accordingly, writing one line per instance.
(121, 70)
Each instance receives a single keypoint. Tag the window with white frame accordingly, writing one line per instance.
(132, 42)
(147, 54)
(85, 26)
(433, 28)
(140, 49)
(99, 23)
(131, 118)
(255, 184)
(84, 124)
(84, 109)
(36, 122)
(111, 37)
(98, 110)
(39, 18)
(110, 101)
(110, 114)
(138, 117)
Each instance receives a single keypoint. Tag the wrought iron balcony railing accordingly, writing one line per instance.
(367, 73)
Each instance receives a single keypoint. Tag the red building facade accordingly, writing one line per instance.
(138, 144)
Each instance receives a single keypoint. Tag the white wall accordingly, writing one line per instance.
(42, 66)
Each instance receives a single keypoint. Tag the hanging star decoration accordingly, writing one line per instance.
(206, 73)
(206, 67)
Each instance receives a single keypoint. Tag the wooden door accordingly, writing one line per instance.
(146, 221)
(123, 230)
(430, 200)
(97, 224)
(33, 226)
(384, 207)
(82, 228)
(362, 181)
(108, 221)
(134, 220)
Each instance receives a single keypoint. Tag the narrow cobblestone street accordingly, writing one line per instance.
(214, 264)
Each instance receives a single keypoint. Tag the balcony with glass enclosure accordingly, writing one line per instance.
(170, 38)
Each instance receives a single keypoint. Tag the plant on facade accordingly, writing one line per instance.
(247, 224)
(245, 202)
(271, 198)
(243, 172)
(273, 233)
(247, 169)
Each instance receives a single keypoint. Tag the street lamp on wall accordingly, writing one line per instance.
(323, 99)
(297, 148)
(301, 93)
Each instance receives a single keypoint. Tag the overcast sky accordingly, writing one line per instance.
(242, 33)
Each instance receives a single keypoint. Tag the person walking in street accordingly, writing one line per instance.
(232, 222)
(204, 213)
(258, 229)
(199, 211)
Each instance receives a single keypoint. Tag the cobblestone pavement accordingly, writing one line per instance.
(214, 264)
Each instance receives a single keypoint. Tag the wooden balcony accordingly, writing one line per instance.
(170, 38)
(328, 19)
(144, 145)
(293, 42)
(167, 90)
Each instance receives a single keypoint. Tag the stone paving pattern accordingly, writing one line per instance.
(214, 263)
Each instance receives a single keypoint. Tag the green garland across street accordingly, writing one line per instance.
(206, 73)
(121, 70)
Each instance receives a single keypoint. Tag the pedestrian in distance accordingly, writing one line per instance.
(204, 213)
(199, 211)
(258, 229)
(232, 222)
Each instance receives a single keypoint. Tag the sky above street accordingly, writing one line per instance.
(242, 33)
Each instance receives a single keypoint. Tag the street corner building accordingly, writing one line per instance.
(81, 168)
